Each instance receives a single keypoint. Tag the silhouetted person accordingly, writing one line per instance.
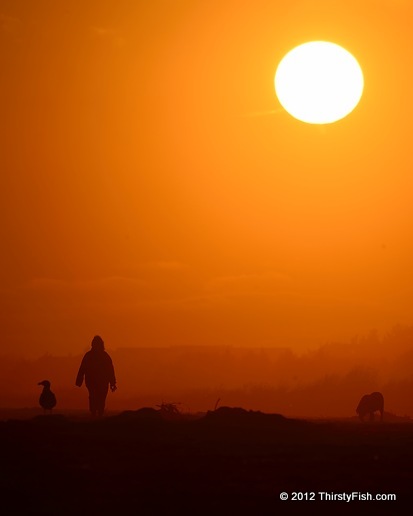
(47, 399)
(97, 369)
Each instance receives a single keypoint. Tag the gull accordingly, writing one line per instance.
(47, 398)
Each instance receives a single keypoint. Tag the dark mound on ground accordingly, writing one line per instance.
(152, 414)
(142, 413)
(221, 418)
(240, 415)
(237, 426)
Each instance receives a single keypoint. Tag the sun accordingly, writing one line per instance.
(319, 82)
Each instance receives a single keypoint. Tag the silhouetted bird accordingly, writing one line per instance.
(47, 398)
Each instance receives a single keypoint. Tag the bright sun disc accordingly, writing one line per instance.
(319, 82)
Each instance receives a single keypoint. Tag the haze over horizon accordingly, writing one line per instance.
(155, 193)
(327, 382)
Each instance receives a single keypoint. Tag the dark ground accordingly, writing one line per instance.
(228, 462)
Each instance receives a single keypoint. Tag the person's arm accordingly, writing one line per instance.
(112, 378)
(81, 373)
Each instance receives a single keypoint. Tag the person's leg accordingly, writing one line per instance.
(101, 399)
(92, 401)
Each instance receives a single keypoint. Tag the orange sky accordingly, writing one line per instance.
(149, 194)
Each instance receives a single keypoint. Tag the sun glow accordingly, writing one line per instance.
(319, 82)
